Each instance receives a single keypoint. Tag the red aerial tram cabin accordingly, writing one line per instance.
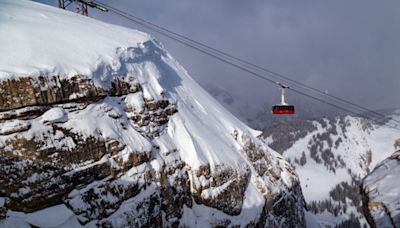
(283, 108)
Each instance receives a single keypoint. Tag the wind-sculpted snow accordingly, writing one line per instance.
(115, 133)
(59, 42)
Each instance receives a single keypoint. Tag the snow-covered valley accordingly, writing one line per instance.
(331, 156)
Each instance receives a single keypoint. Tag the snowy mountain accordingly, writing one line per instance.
(381, 190)
(331, 156)
(100, 126)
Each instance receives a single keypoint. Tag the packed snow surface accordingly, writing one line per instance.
(57, 216)
(59, 42)
(55, 115)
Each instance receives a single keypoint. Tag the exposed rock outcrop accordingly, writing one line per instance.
(381, 193)
(27, 91)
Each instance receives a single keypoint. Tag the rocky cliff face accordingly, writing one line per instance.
(136, 142)
(116, 178)
(381, 193)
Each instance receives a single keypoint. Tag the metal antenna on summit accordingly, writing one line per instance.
(81, 6)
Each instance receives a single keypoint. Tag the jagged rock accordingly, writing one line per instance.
(12, 127)
(397, 144)
(3, 209)
(380, 191)
(23, 113)
(28, 91)
(223, 188)
(114, 146)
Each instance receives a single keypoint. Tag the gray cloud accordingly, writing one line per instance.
(349, 48)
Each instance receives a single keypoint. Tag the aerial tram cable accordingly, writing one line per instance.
(236, 64)
(143, 23)
(242, 61)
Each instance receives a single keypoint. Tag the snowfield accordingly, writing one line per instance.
(59, 42)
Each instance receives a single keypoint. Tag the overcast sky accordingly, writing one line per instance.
(349, 48)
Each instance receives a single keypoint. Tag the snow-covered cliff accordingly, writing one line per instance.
(99, 125)
(381, 193)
